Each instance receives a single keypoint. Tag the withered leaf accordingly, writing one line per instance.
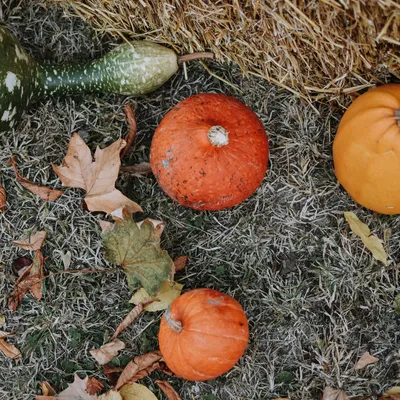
(131, 136)
(135, 368)
(334, 394)
(371, 242)
(112, 395)
(135, 391)
(138, 170)
(112, 373)
(93, 385)
(2, 319)
(8, 349)
(3, 198)
(365, 359)
(76, 390)
(180, 262)
(20, 264)
(136, 247)
(34, 242)
(47, 390)
(168, 390)
(44, 192)
(392, 394)
(108, 351)
(30, 280)
(97, 177)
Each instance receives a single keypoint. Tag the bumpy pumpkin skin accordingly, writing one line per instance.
(366, 150)
(199, 174)
(214, 335)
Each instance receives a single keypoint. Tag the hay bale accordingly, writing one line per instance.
(326, 49)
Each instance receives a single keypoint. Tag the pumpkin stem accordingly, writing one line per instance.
(218, 136)
(176, 326)
(195, 56)
(397, 116)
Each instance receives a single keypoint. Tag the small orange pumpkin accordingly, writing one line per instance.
(203, 334)
(366, 149)
(209, 152)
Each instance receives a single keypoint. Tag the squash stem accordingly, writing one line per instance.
(195, 56)
(176, 326)
(397, 116)
(218, 136)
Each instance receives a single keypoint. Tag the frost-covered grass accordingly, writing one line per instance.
(315, 298)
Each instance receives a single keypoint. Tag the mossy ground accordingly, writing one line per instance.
(315, 298)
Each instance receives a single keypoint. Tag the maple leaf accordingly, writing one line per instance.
(136, 247)
(135, 391)
(76, 390)
(371, 242)
(3, 198)
(168, 390)
(30, 280)
(139, 367)
(8, 349)
(108, 351)
(97, 177)
(44, 192)
(34, 242)
(334, 394)
(365, 359)
(169, 292)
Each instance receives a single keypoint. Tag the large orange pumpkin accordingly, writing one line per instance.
(209, 152)
(366, 150)
(203, 334)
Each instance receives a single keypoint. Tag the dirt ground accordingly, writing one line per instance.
(315, 298)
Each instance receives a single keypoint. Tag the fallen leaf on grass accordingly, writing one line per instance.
(371, 242)
(334, 394)
(169, 291)
(130, 137)
(3, 198)
(106, 226)
(168, 390)
(47, 390)
(130, 318)
(8, 349)
(392, 394)
(135, 391)
(34, 242)
(180, 262)
(365, 359)
(93, 385)
(112, 373)
(44, 192)
(136, 247)
(108, 351)
(76, 390)
(138, 368)
(30, 280)
(2, 319)
(96, 177)
(111, 395)
(20, 264)
(137, 170)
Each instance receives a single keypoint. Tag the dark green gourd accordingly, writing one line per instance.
(134, 68)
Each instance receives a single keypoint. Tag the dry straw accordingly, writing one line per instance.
(327, 49)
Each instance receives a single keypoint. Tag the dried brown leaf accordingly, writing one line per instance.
(131, 136)
(168, 390)
(138, 170)
(135, 391)
(44, 192)
(47, 390)
(76, 390)
(34, 242)
(96, 177)
(392, 394)
(2, 319)
(365, 359)
(180, 262)
(105, 225)
(93, 386)
(371, 242)
(30, 280)
(112, 373)
(334, 394)
(108, 351)
(139, 365)
(9, 350)
(130, 318)
(3, 198)
(111, 395)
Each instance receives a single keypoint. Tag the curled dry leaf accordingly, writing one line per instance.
(112, 373)
(131, 136)
(34, 242)
(392, 394)
(135, 391)
(96, 177)
(136, 247)
(44, 192)
(137, 170)
(334, 394)
(168, 390)
(130, 318)
(93, 385)
(47, 390)
(371, 242)
(3, 198)
(30, 280)
(108, 351)
(139, 367)
(2, 319)
(20, 264)
(8, 349)
(365, 359)
(180, 262)
(169, 291)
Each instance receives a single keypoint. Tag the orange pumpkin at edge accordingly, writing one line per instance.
(209, 152)
(203, 334)
(366, 149)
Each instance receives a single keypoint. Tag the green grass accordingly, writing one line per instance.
(315, 298)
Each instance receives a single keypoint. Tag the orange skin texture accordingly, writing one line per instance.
(366, 150)
(198, 174)
(214, 335)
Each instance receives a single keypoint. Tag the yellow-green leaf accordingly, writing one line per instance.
(169, 292)
(135, 391)
(371, 242)
(136, 247)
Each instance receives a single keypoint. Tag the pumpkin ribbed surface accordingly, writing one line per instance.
(366, 150)
(209, 152)
(214, 334)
